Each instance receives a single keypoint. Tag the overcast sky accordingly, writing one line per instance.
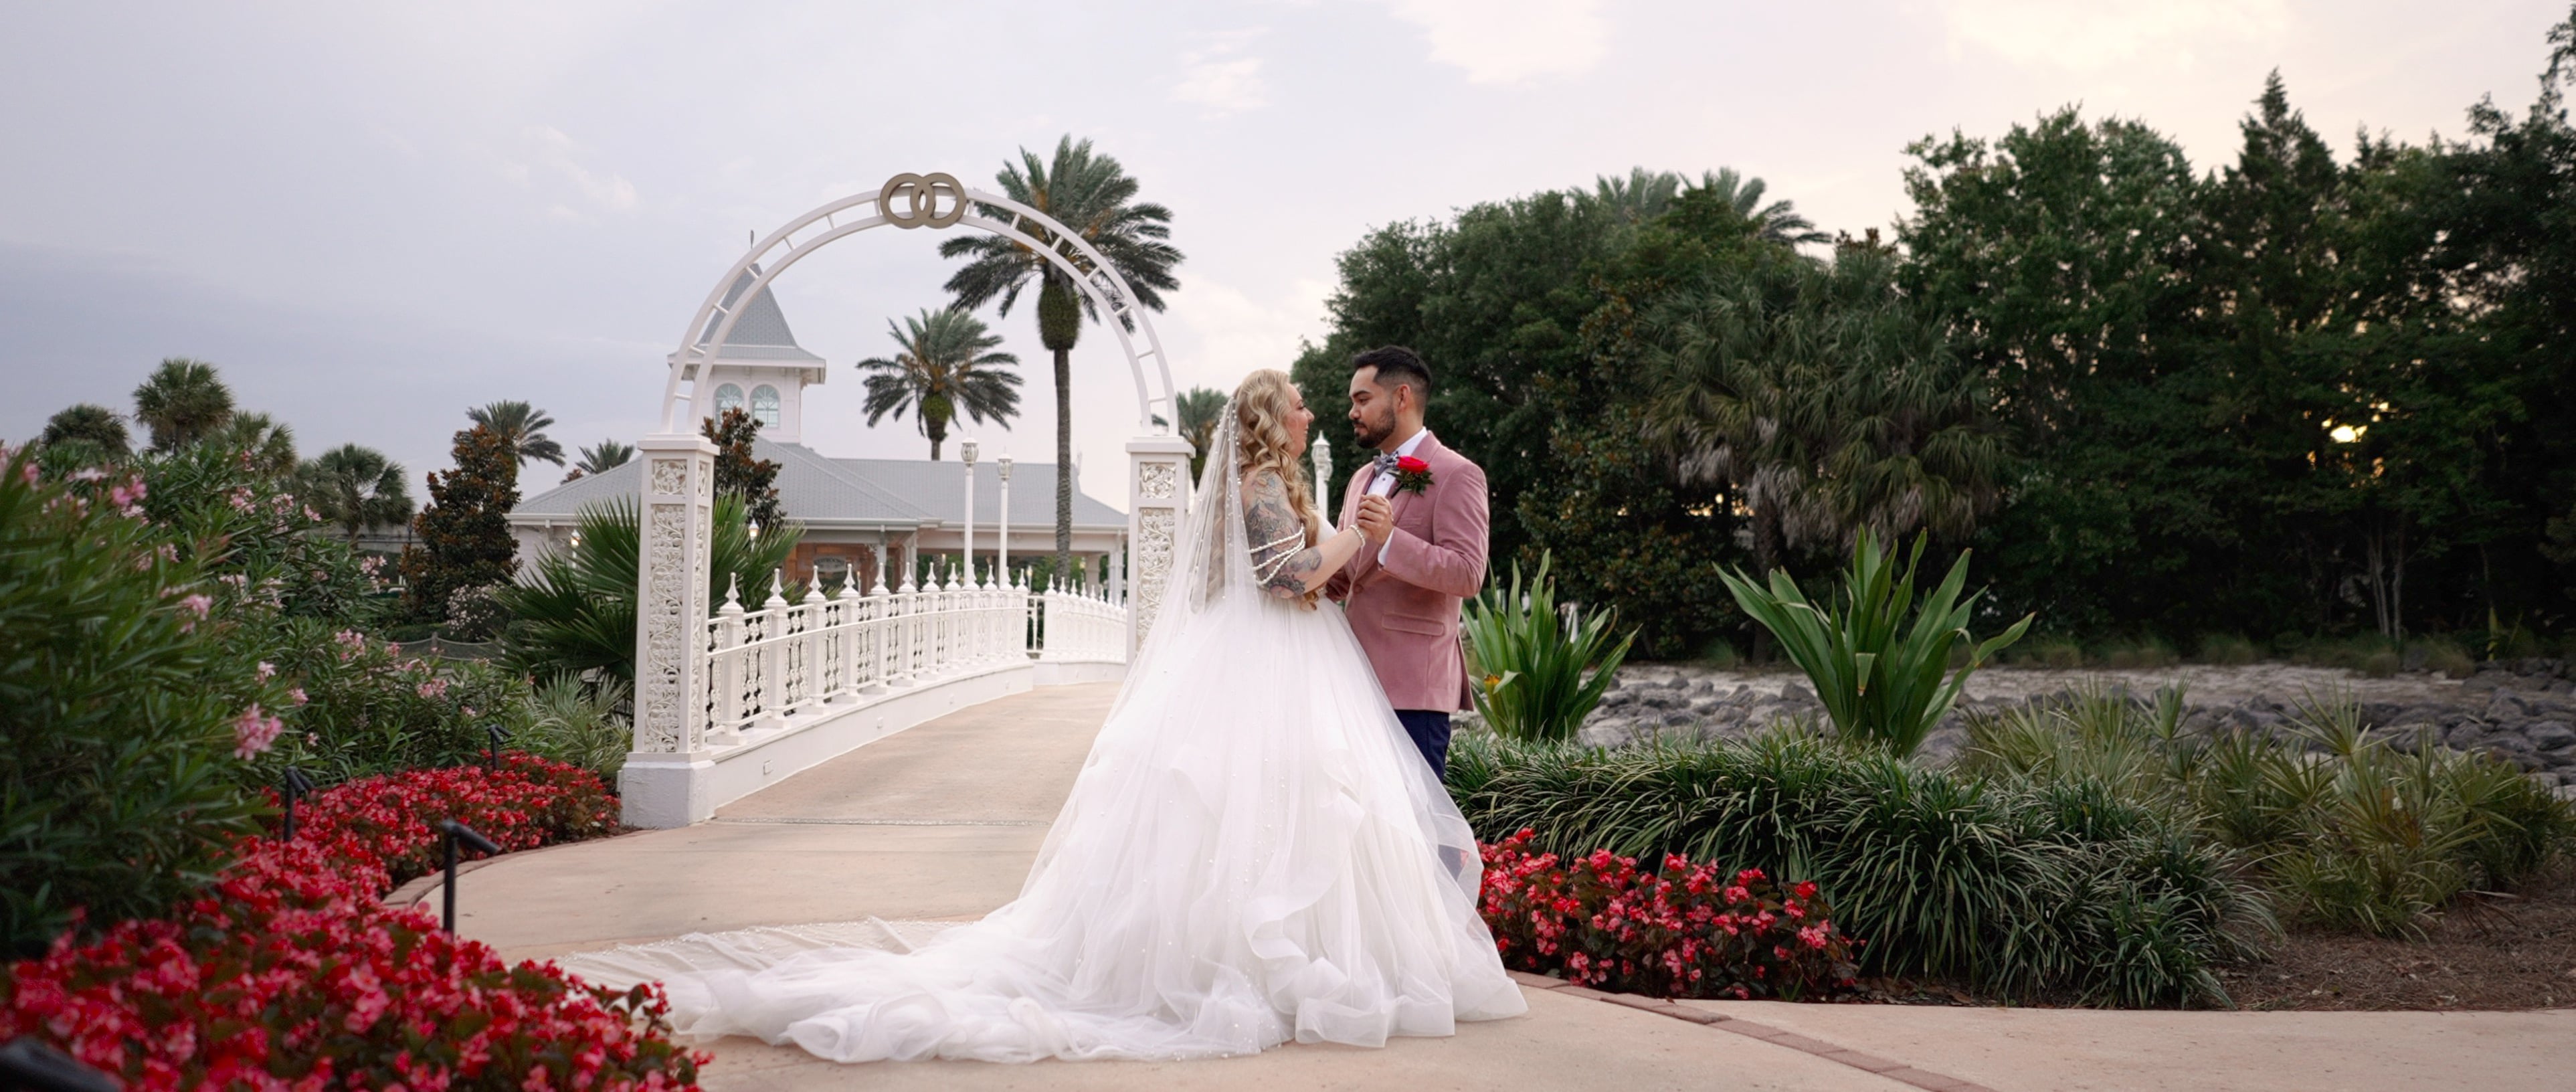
(373, 216)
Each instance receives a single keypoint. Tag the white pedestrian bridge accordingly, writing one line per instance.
(788, 686)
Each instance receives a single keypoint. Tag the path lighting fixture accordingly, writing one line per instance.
(754, 527)
(32, 1065)
(458, 832)
(498, 735)
(576, 538)
(297, 786)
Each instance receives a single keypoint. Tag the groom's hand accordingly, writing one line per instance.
(1376, 519)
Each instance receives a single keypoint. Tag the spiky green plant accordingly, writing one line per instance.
(1537, 669)
(575, 614)
(1882, 680)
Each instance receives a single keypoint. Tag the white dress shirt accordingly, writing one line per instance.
(1384, 484)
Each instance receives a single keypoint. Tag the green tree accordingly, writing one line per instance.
(182, 402)
(2056, 259)
(522, 427)
(602, 457)
(94, 425)
(740, 473)
(355, 488)
(946, 365)
(1090, 194)
(1199, 409)
(464, 530)
(268, 442)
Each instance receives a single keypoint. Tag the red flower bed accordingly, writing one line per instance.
(1687, 931)
(393, 819)
(288, 973)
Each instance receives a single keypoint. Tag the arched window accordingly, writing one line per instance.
(764, 405)
(728, 397)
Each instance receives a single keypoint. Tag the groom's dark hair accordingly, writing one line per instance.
(1396, 364)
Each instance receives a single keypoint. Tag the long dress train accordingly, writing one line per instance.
(1252, 853)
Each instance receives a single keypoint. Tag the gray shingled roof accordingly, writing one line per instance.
(761, 333)
(824, 491)
(940, 484)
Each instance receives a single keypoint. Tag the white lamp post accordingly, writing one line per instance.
(1002, 555)
(966, 451)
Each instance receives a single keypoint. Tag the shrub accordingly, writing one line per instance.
(289, 974)
(369, 709)
(1539, 668)
(2444, 655)
(2228, 649)
(1687, 930)
(2015, 888)
(2349, 832)
(580, 726)
(1881, 680)
(475, 614)
(2139, 654)
(124, 714)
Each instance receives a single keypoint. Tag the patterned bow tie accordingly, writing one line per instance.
(1385, 463)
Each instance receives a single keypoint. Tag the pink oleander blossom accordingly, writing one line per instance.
(253, 733)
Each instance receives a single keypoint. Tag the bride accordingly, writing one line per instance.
(1254, 851)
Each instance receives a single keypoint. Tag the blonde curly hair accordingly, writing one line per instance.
(1263, 441)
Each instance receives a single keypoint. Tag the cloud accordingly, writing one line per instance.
(2095, 34)
(1221, 81)
(1505, 41)
(1228, 334)
(554, 154)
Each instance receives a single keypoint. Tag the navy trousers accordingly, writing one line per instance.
(1430, 732)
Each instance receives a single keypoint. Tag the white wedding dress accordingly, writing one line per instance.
(1253, 853)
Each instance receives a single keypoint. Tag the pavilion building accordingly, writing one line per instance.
(861, 516)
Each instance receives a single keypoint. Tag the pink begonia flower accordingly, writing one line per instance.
(298, 695)
(253, 733)
(266, 671)
(433, 688)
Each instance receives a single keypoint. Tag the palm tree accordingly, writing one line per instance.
(1092, 195)
(946, 367)
(357, 488)
(1823, 400)
(521, 426)
(269, 443)
(1777, 222)
(1641, 196)
(182, 402)
(1199, 409)
(97, 426)
(606, 456)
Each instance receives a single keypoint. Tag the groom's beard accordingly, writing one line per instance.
(1371, 434)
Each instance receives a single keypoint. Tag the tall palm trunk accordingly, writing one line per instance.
(1059, 325)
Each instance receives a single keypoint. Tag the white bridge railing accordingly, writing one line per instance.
(788, 659)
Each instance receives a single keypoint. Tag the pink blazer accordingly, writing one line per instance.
(1405, 612)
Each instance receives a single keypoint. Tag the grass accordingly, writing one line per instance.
(2066, 889)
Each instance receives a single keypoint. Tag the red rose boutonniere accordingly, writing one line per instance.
(1412, 475)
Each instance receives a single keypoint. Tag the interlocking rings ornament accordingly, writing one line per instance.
(912, 200)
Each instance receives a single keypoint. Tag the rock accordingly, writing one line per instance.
(1797, 692)
(2381, 712)
(2506, 707)
(2549, 735)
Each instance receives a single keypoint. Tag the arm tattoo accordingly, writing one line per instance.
(1281, 560)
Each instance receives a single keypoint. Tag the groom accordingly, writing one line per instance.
(1422, 508)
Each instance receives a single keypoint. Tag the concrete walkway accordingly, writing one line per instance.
(941, 822)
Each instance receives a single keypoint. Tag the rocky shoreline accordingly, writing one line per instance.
(2523, 710)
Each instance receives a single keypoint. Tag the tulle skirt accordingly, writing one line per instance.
(1254, 852)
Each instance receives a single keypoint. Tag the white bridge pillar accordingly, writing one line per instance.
(1158, 494)
(658, 786)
